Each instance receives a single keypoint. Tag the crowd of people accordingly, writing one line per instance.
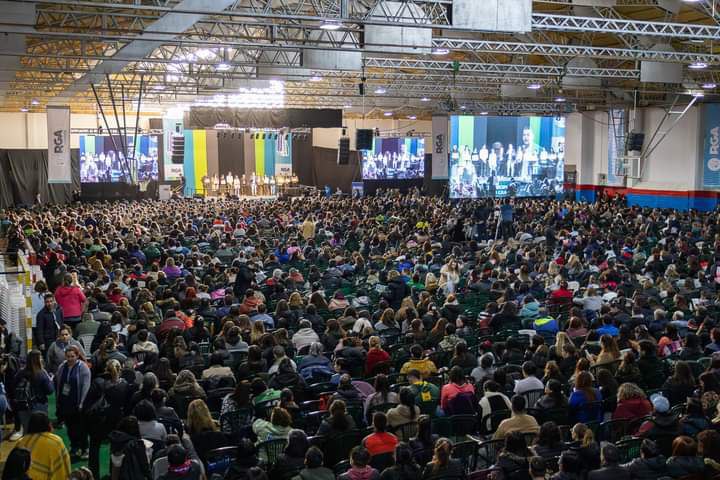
(389, 337)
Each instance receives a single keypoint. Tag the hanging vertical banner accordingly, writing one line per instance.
(439, 148)
(58, 127)
(711, 145)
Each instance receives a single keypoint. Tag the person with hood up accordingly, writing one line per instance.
(650, 465)
(314, 469)
(305, 335)
(359, 466)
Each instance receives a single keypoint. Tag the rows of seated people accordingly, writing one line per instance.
(366, 338)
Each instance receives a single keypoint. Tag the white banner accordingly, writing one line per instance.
(439, 147)
(58, 127)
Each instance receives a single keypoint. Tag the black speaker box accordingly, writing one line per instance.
(635, 141)
(343, 151)
(364, 139)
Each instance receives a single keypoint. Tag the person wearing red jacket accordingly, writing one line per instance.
(632, 403)
(375, 355)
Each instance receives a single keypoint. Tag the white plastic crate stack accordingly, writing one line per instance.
(14, 306)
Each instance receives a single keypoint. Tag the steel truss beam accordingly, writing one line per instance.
(372, 12)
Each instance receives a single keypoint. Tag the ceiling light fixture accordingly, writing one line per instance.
(380, 91)
(388, 114)
(24, 109)
(222, 67)
(534, 86)
(483, 113)
(316, 78)
(440, 51)
(463, 107)
(560, 99)
(698, 65)
(424, 99)
(330, 25)
(34, 102)
(412, 117)
(698, 94)
(347, 106)
(159, 87)
(709, 85)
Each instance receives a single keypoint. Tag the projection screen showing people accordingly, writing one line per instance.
(506, 156)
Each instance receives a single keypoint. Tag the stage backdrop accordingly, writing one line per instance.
(24, 176)
(218, 152)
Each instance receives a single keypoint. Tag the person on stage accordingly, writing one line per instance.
(206, 185)
(253, 185)
(229, 182)
(236, 185)
(273, 186)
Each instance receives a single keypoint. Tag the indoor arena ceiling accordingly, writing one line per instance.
(578, 54)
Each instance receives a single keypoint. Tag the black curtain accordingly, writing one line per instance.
(23, 175)
(208, 117)
(231, 153)
(318, 166)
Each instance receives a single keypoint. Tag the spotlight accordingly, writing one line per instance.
(331, 25)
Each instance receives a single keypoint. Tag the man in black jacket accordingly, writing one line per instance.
(49, 320)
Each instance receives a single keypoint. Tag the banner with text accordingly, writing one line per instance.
(711, 145)
(58, 127)
(439, 148)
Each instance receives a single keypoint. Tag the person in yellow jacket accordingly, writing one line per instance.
(49, 459)
(425, 366)
(308, 229)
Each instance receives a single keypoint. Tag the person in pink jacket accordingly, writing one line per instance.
(457, 386)
(71, 299)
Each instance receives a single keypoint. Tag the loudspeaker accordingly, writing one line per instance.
(177, 149)
(343, 151)
(363, 139)
(635, 141)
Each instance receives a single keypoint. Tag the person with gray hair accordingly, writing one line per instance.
(610, 469)
(305, 336)
(149, 383)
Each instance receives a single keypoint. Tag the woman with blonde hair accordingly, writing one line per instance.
(257, 331)
(204, 432)
(387, 321)
(609, 351)
(431, 283)
(450, 276)
(561, 339)
(632, 403)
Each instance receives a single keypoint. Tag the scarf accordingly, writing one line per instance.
(180, 469)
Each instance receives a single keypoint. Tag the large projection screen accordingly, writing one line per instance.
(394, 159)
(506, 156)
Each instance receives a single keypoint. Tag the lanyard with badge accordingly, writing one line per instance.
(66, 381)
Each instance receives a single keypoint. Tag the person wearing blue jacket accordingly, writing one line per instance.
(72, 384)
(583, 400)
